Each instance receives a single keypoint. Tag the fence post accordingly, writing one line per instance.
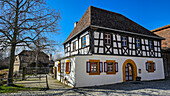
(23, 73)
(47, 82)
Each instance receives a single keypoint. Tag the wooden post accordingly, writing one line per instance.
(23, 73)
(47, 82)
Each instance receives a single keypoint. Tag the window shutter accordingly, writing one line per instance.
(105, 66)
(146, 66)
(101, 66)
(154, 67)
(69, 67)
(65, 67)
(116, 66)
(88, 67)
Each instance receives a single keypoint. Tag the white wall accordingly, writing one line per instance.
(84, 79)
(70, 77)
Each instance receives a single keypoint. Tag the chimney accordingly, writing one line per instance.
(50, 57)
(75, 24)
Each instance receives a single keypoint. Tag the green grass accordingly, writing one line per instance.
(16, 88)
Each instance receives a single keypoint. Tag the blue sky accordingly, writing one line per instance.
(150, 14)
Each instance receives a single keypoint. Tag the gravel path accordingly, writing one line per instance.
(153, 88)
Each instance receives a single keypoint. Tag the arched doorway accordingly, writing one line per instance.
(129, 70)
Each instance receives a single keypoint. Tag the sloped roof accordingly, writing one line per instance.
(161, 28)
(103, 18)
(27, 56)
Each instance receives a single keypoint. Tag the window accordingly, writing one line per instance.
(83, 41)
(124, 41)
(94, 67)
(107, 39)
(66, 49)
(150, 44)
(74, 46)
(150, 66)
(137, 43)
(68, 67)
(111, 67)
(59, 67)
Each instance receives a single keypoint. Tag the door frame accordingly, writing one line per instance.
(134, 69)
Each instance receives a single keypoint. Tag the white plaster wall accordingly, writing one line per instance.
(96, 34)
(96, 42)
(87, 40)
(101, 50)
(71, 76)
(118, 37)
(80, 43)
(142, 41)
(84, 50)
(75, 52)
(84, 79)
(114, 38)
(71, 47)
(146, 41)
(130, 39)
(101, 42)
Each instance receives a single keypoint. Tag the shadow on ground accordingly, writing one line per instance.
(160, 87)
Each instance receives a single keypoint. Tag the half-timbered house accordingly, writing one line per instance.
(106, 48)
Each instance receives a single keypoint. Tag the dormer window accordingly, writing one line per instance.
(124, 41)
(150, 44)
(107, 39)
(83, 41)
(137, 43)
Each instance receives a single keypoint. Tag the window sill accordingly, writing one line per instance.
(110, 73)
(150, 71)
(68, 73)
(94, 73)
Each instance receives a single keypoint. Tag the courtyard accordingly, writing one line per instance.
(154, 88)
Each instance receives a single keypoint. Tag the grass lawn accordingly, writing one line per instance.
(16, 88)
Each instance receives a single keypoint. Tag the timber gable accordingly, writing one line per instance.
(90, 36)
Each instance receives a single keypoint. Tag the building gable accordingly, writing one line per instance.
(103, 18)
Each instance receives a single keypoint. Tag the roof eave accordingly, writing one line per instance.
(127, 32)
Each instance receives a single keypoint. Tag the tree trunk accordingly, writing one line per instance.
(11, 66)
(13, 47)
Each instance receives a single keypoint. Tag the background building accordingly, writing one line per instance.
(165, 33)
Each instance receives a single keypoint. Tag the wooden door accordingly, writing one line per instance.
(129, 72)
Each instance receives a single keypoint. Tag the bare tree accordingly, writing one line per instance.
(21, 22)
(42, 44)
